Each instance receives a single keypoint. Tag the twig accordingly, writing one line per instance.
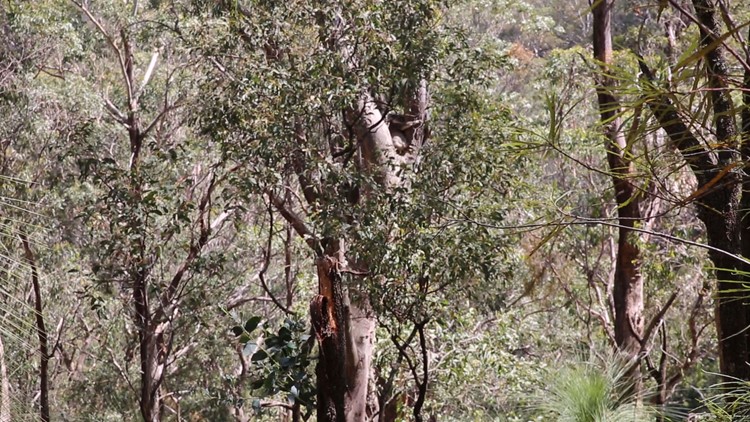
(111, 42)
(267, 262)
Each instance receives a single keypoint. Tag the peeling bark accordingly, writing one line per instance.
(345, 333)
(386, 149)
(343, 320)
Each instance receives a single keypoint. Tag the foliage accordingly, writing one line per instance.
(501, 243)
(588, 392)
(728, 402)
(280, 362)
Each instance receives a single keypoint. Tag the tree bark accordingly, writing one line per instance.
(4, 387)
(345, 333)
(342, 319)
(720, 209)
(745, 191)
(719, 195)
(41, 331)
(628, 282)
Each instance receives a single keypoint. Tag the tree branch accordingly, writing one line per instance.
(665, 112)
(297, 223)
(267, 262)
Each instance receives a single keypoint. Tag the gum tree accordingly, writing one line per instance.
(708, 129)
(332, 112)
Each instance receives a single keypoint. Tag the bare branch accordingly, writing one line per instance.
(116, 113)
(267, 262)
(112, 44)
(150, 69)
(160, 116)
(297, 223)
(657, 319)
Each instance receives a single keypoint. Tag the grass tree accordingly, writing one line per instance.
(588, 392)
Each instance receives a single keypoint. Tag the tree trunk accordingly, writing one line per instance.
(153, 354)
(628, 283)
(745, 191)
(720, 210)
(345, 333)
(41, 331)
(718, 196)
(343, 320)
(719, 193)
(4, 387)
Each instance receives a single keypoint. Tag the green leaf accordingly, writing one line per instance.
(237, 330)
(259, 355)
(285, 334)
(286, 362)
(257, 384)
(252, 324)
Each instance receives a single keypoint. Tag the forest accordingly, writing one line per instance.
(370, 210)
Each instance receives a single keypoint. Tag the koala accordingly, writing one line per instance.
(402, 127)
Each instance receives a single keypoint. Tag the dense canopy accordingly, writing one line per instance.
(366, 210)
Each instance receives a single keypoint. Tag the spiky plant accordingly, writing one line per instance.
(588, 392)
(730, 402)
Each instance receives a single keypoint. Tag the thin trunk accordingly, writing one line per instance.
(150, 356)
(628, 283)
(41, 331)
(388, 405)
(297, 411)
(152, 350)
(4, 387)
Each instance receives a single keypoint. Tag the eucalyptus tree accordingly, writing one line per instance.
(713, 144)
(362, 124)
(693, 102)
(628, 281)
(153, 214)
